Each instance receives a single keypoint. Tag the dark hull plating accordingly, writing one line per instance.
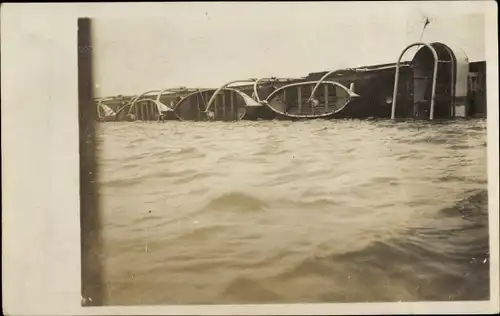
(374, 89)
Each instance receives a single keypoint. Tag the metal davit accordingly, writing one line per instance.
(313, 92)
(434, 77)
(262, 81)
(322, 80)
(453, 69)
(122, 108)
(177, 94)
(134, 101)
(256, 90)
(149, 108)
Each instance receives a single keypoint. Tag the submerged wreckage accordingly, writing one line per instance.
(438, 83)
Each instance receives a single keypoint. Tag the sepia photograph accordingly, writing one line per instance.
(316, 159)
(313, 159)
(319, 157)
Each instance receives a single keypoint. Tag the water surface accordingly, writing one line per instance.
(280, 212)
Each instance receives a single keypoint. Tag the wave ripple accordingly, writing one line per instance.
(262, 213)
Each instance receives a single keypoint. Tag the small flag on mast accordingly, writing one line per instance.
(426, 21)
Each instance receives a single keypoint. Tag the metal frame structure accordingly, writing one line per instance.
(453, 70)
(434, 77)
(173, 90)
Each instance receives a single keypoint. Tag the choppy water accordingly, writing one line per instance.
(278, 212)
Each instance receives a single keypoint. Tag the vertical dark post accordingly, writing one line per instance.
(89, 216)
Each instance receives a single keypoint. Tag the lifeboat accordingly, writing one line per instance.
(260, 90)
(309, 100)
(153, 105)
(222, 104)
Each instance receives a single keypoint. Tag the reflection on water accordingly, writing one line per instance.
(278, 212)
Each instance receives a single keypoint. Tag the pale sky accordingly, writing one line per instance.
(208, 44)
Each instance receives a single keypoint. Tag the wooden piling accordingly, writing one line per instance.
(90, 223)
